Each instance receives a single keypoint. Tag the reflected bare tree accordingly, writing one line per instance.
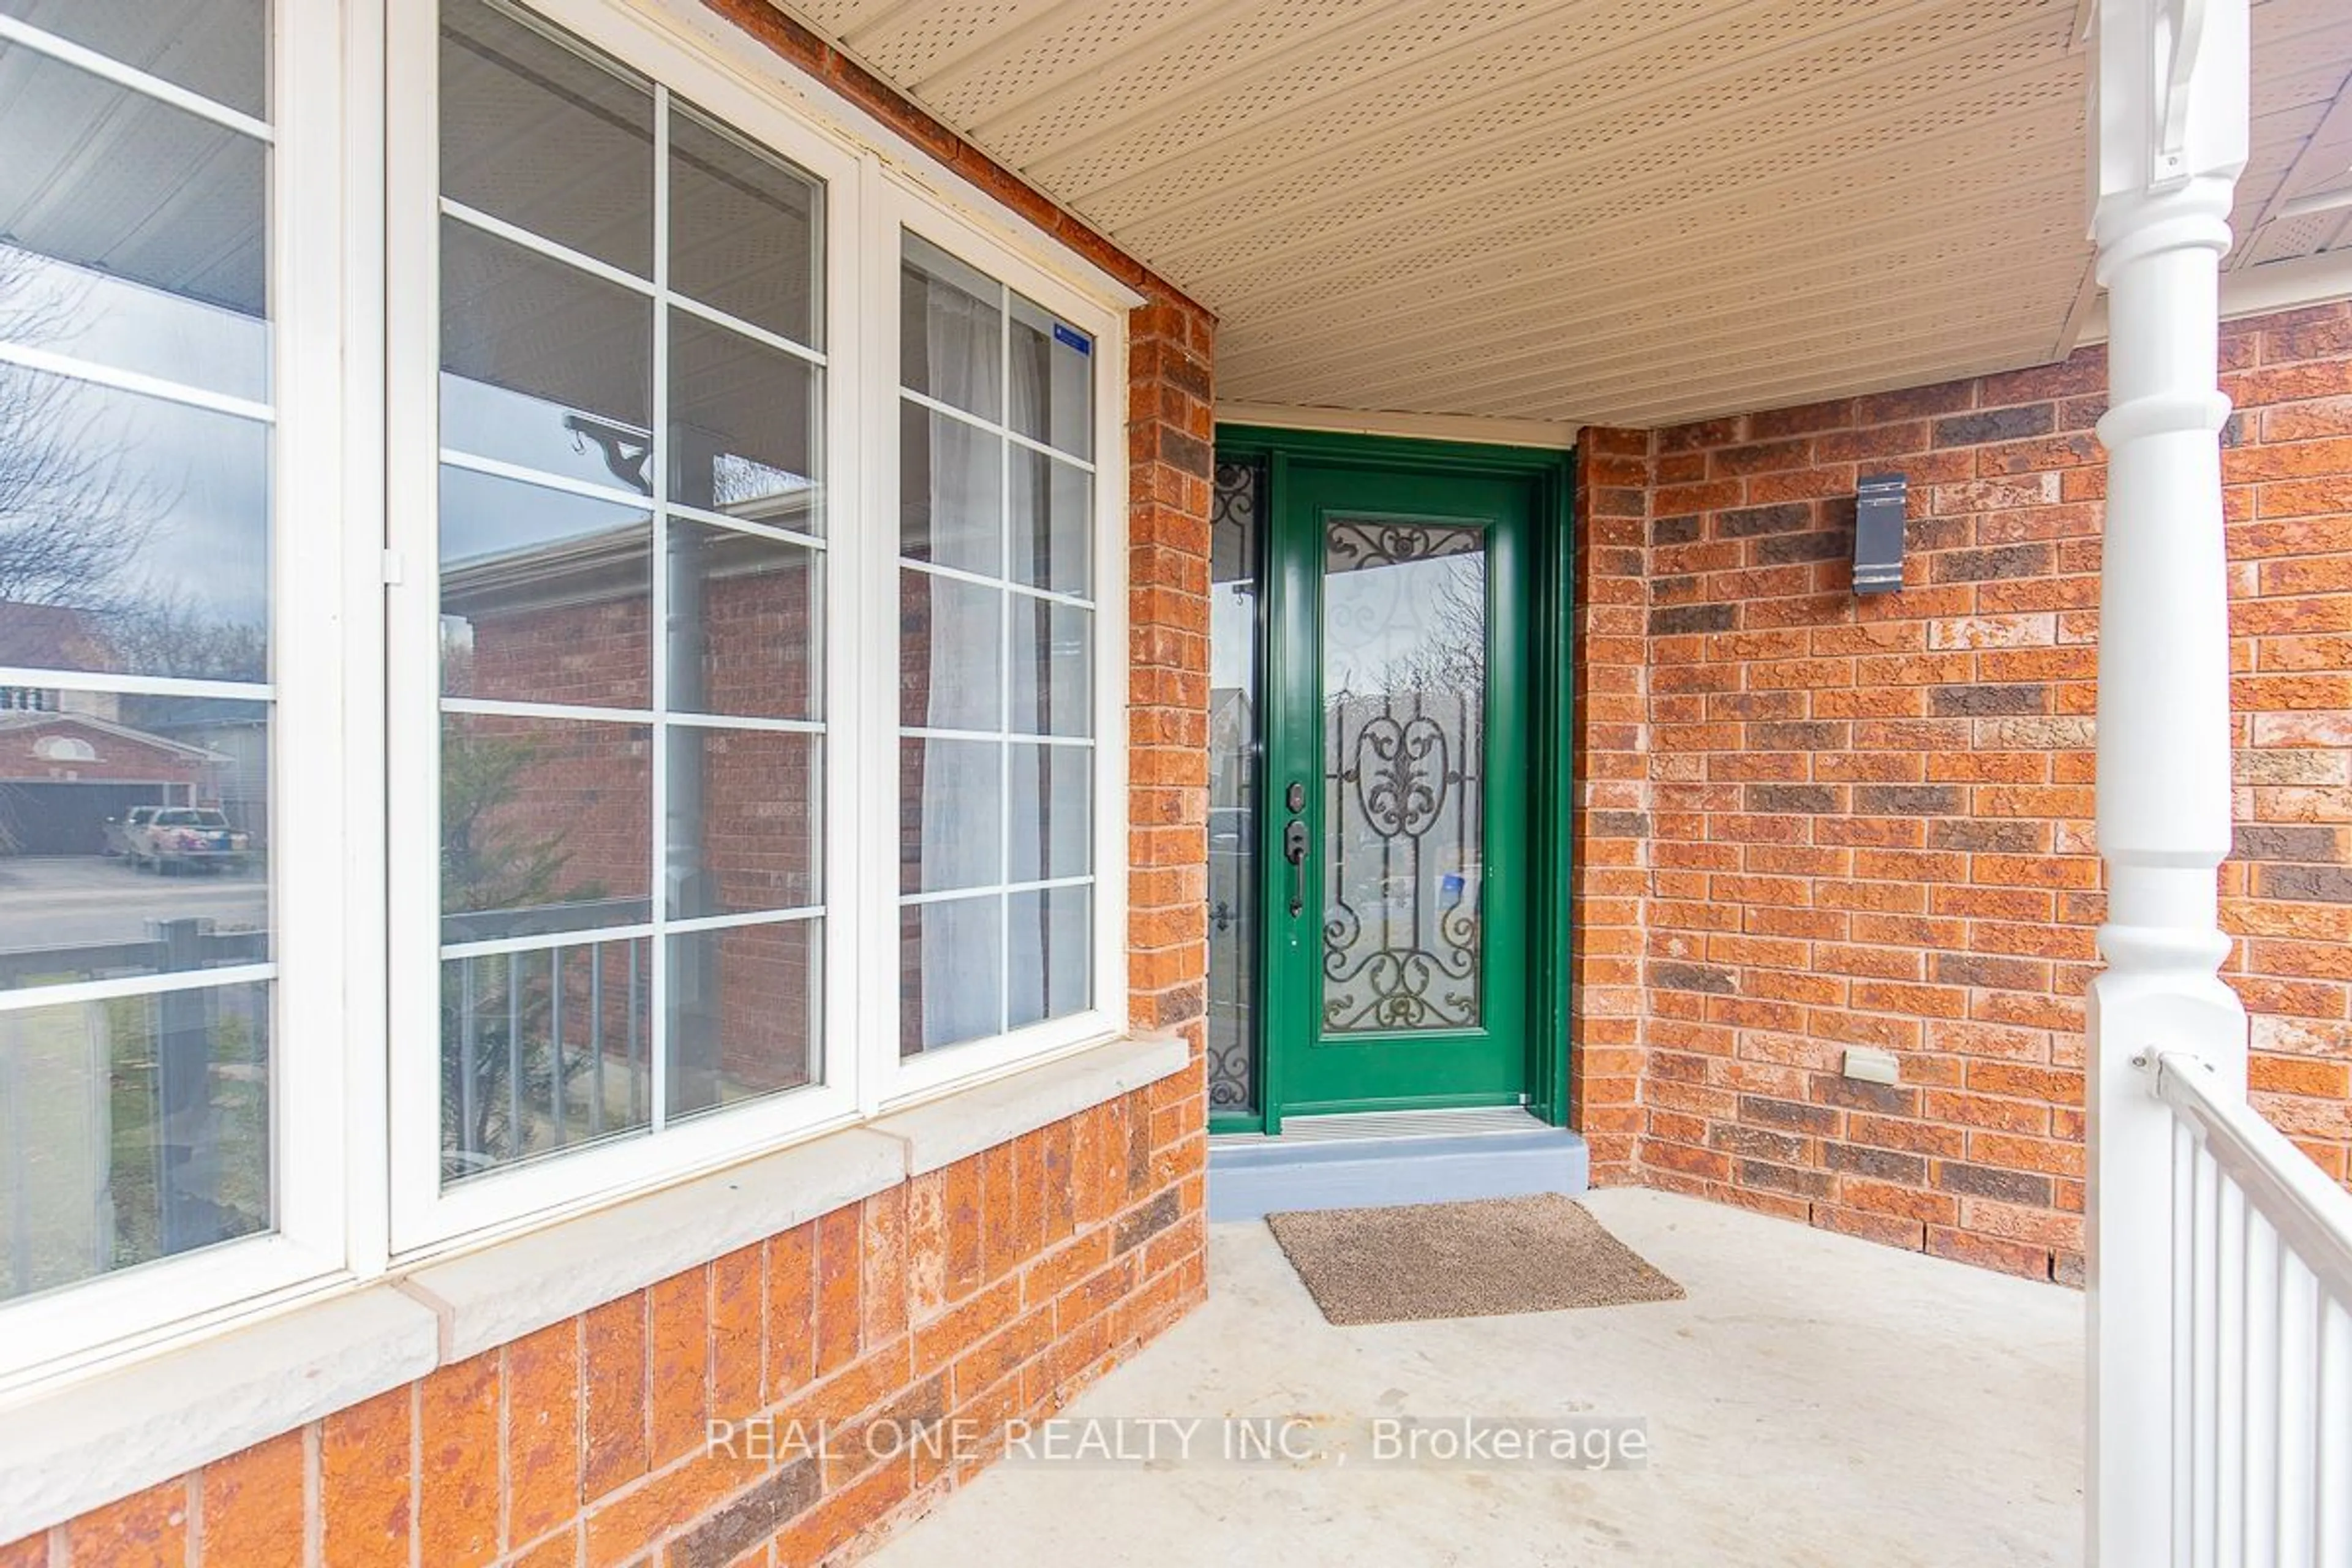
(73, 519)
(167, 633)
(1447, 650)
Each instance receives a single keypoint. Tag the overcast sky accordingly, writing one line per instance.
(201, 479)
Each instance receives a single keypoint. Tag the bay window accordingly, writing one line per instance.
(569, 637)
(728, 424)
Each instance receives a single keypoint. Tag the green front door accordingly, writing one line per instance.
(1396, 871)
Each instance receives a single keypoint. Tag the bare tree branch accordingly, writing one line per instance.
(74, 516)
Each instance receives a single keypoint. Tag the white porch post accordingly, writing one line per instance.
(2169, 138)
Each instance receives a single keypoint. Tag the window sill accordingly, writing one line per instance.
(74, 1445)
(938, 1132)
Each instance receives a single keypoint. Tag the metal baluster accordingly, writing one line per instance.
(20, 1218)
(514, 1056)
(595, 1039)
(2205, 1396)
(2258, 1453)
(636, 1086)
(555, 1040)
(468, 1064)
(2298, 1377)
(2230, 1356)
(2186, 1154)
(108, 1229)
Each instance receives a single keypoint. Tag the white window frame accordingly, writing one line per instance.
(859, 1073)
(324, 906)
(424, 1213)
(901, 207)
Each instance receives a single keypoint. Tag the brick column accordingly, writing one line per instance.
(1610, 823)
(1170, 456)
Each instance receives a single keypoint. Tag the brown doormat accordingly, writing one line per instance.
(1537, 1254)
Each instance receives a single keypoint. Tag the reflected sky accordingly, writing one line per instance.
(482, 515)
(56, 305)
(189, 487)
(1397, 626)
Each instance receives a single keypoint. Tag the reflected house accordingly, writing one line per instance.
(569, 621)
(1233, 859)
(55, 635)
(1233, 797)
(68, 762)
(64, 774)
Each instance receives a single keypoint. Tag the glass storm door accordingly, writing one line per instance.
(1395, 872)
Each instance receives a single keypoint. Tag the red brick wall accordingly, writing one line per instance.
(1869, 821)
(995, 1288)
(1610, 821)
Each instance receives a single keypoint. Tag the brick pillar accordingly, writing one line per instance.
(1611, 824)
(1171, 448)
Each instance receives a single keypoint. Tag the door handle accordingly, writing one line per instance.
(1294, 849)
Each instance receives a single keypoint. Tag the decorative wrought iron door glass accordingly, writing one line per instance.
(1404, 700)
(1236, 699)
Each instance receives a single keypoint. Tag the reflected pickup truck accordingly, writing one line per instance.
(178, 838)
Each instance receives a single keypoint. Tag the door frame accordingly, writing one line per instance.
(1548, 707)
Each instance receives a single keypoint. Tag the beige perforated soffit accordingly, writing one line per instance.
(1621, 211)
(2303, 130)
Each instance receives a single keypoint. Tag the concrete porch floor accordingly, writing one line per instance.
(1816, 1401)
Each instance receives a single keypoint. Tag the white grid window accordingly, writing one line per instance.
(135, 498)
(996, 657)
(699, 888)
(161, 398)
(632, 587)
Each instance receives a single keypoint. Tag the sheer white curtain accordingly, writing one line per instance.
(962, 960)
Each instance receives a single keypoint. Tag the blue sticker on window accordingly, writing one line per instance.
(1072, 340)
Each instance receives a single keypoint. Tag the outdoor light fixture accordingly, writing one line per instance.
(1878, 504)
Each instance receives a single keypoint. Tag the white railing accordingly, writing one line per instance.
(2261, 1337)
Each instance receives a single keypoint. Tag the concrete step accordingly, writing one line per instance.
(1389, 1158)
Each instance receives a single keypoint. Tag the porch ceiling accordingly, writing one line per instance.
(1608, 211)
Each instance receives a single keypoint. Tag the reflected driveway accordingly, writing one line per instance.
(76, 900)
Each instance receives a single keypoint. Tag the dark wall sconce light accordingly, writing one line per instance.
(1879, 507)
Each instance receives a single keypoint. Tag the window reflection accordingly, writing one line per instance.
(136, 231)
(606, 967)
(134, 533)
(135, 825)
(217, 49)
(546, 367)
(547, 134)
(542, 825)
